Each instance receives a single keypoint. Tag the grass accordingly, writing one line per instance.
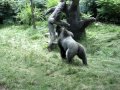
(26, 64)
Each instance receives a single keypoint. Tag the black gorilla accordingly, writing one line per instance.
(69, 47)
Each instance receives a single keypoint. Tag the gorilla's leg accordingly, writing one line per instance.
(82, 55)
(62, 51)
(69, 55)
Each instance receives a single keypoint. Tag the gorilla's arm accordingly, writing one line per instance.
(63, 23)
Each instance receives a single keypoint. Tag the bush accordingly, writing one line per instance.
(51, 3)
(24, 15)
(104, 10)
(88, 6)
(40, 3)
(109, 10)
(20, 10)
(7, 11)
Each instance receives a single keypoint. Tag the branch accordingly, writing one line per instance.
(63, 23)
(50, 10)
(56, 13)
(87, 22)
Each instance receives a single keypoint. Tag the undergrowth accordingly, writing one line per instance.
(26, 64)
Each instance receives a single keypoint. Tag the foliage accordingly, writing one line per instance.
(24, 15)
(6, 10)
(109, 10)
(20, 9)
(51, 3)
(39, 3)
(105, 10)
(85, 16)
(86, 5)
(26, 64)
(39, 14)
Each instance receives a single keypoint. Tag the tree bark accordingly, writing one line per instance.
(33, 16)
(77, 26)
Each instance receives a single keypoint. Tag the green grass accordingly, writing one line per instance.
(26, 64)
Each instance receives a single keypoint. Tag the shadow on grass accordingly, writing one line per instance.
(24, 27)
(4, 26)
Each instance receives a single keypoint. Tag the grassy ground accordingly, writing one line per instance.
(25, 63)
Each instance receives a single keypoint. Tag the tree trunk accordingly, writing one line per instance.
(33, 17)
(77, 26)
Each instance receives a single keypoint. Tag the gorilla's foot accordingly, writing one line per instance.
(51, 47)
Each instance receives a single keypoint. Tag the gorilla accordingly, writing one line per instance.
(69, 47)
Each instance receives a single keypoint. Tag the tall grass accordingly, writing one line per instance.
(26, 64)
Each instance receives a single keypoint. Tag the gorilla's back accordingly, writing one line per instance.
(70, 43)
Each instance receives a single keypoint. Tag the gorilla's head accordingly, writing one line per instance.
(66, 33)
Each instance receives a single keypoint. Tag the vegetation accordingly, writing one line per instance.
(19, 10)
(6, 11)
(105, 10)
(52, 3)
(26, 64)
(109, 11)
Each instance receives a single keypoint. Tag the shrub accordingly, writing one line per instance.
(20, 10)
(109, 10)
(7, 11)
(40, 3)
(51, 3)
(24, 15)
(105, 10)
(88, 6)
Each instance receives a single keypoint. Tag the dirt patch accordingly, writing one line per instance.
(2, 87)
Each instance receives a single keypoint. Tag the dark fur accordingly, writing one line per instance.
(69, 47)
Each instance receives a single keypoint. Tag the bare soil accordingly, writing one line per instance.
(2, 87)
